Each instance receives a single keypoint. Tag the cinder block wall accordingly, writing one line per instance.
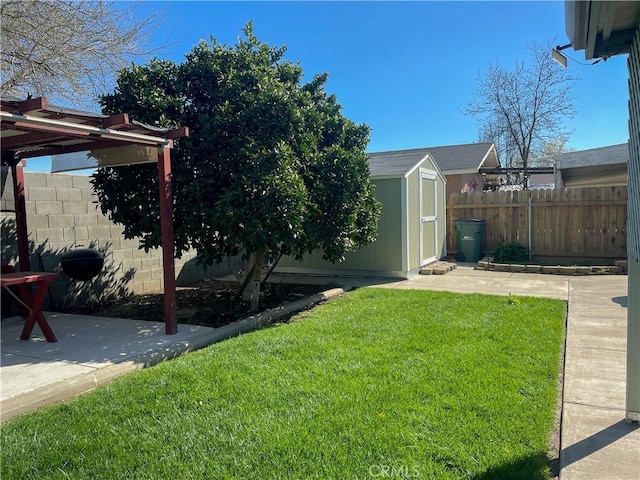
(62, 214)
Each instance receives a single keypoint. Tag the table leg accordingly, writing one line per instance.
(37, 315)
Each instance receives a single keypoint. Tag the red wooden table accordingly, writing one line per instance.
(32, 302)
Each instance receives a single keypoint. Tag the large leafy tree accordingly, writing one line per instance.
(271, 167)
(522, 109)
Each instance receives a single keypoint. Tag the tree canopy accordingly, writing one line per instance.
(67, 49)
(271, 166)
(522, 109)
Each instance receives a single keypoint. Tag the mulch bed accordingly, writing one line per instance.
(210, 303)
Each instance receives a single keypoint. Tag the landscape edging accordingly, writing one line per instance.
(619, 269)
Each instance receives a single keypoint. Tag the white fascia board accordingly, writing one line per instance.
(493, 147)
(416, 166)
(437, 167)
(385, 177)
(460, 172)
(404, 195)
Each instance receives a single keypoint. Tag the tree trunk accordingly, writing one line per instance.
(255, 287)
(243, 291)
(250, 288)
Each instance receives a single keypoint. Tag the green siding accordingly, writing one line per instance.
(442, 216)
(633, 235)
(385, 254)
(413, 218)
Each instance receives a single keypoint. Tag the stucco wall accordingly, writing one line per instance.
(62, 214)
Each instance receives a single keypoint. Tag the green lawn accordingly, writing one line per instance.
(378, 384)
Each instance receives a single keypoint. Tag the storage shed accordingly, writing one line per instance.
(411, 228)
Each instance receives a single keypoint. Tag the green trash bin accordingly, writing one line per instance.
(469, 237)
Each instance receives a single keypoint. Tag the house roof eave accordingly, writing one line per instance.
(601, 28)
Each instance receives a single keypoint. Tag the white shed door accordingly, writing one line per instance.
(428, 216)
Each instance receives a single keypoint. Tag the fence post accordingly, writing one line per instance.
(529, 212)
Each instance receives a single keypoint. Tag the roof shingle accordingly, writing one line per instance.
(449, 158)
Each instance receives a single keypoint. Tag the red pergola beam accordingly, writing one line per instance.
(177, 133)
(117, 120)
(31, 139)
(33, 105)
(17, 174)
(166, 226)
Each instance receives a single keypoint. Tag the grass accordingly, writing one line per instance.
(378, 384)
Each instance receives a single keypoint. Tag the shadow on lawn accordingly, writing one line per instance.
(531, 467)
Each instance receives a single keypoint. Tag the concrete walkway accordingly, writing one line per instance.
(596, 441)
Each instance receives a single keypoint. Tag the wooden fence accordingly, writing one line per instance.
(585, 223)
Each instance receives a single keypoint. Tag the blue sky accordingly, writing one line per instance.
(407, 69)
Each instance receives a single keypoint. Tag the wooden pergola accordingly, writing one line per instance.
(33, 128)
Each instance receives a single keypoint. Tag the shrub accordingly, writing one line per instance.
(510, 253)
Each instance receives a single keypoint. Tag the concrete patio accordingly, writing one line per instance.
(596, 441)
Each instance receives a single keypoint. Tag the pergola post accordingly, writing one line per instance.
(17, 175)
(166, 225)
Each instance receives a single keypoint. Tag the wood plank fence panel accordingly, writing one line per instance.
(575, 222)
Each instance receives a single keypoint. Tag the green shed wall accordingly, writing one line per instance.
(413, 219)
(396, 252)
(382, 256)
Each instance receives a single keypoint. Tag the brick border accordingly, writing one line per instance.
(620, 268)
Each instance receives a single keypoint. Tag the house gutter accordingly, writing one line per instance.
(576, 17)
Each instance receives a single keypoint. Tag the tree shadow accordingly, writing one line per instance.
(622, 301)
(532, 467)
(597, 441)
(65, 293)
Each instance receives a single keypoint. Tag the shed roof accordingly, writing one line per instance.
(610, 155)
(450, 158)
(395, 163)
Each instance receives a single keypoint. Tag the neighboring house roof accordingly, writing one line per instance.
(466, 158)
(597, 166)
(452, 159)
(596, 156)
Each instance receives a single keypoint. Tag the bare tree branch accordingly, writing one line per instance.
(68, 49)
(522, 110)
